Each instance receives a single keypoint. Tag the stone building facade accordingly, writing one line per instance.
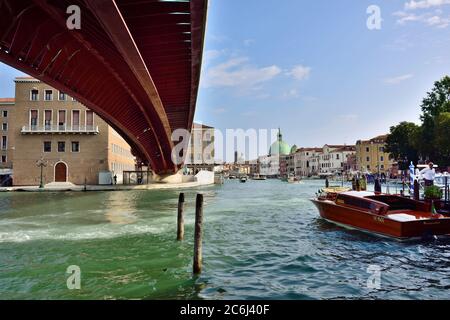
(200, 153)
(73, 144)
(371, 156)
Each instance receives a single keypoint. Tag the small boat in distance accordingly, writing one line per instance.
(243, 179)
(294, 180)
(387, 215)
(259, 177)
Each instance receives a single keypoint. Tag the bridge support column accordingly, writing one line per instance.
(169, 178)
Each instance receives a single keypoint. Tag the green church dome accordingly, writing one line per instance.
(294, 149)
(280, 147)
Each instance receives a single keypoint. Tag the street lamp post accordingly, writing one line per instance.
(41, 163)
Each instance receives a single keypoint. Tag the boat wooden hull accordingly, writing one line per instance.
(379, 224)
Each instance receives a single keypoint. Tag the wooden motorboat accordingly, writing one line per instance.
(386, 215)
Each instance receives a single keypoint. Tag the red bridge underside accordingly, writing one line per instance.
(136, 63)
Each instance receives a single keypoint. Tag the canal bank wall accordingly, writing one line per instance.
(203, 178)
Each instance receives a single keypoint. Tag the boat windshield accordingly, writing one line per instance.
(396, 203)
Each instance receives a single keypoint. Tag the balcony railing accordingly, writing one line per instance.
(59, 129)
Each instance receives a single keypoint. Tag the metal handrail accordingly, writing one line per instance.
(60, 129)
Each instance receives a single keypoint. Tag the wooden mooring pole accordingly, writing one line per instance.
(447, 195)
(377, 185)
(180, 220)
(198, 236)
(416, 190)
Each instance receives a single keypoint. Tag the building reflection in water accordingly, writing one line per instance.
(121, 207)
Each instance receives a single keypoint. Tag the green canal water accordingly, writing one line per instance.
(263, 240)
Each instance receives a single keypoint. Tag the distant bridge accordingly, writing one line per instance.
(136, 63)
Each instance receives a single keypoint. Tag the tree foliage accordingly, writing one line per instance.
(430, 140)
(401, 142)
(442, 137)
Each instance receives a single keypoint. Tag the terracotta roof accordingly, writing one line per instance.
(7, 100)
(200, 126)
(378, 138)
(309, 149)
(26, 79)
(382, 137)
(346, 148)
(336, 146)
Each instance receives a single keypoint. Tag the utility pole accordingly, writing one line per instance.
(378, 159)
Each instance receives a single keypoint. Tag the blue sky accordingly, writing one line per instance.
(314, 68)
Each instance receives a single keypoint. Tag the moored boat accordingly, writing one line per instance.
(387, 215)
(259, 177)
(294, 180)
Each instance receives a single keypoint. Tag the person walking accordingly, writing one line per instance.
(428, 174)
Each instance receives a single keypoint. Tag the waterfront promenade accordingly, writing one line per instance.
(203, 178)
(71, 187)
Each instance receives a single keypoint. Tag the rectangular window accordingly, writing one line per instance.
(382, 166)
(5, 114)
(381, 158)
(33, 119)
(75, 146)
(48, 119)
(4, 142)
(367, 159)
(62, 96)
(48, 95)
(62, 120)
(4, 159)
(89, 119)
(34, 95)
(47, 146)
(61, 146)
(367, 149)
(75, 120)
(5, 127)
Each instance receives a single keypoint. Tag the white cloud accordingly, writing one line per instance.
(300, 72)
(292, 93)
(431, 19)
(438, 21)
(237, 72)
(425, 4)
(404, 17)
(398, 79)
